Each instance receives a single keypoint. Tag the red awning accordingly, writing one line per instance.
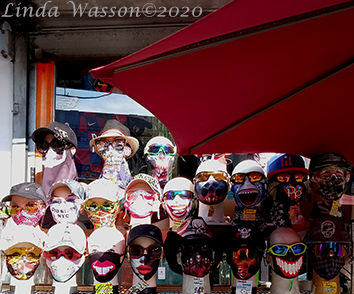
(254, 76)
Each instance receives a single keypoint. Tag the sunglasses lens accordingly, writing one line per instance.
(13, 208)
(298, 249)
(255, 177)
(154, 251)
(155, 149)
(300, 177)
(100, 144)
(184, 194)
(32, 207)
(71, 254)
(31, 253)
(322, 250)
(136, 251)
(91, 206)
(109, 206)
(203, 176)
(238, 178)
(57, 145)
(219, 176)
(279, 249)
(169, 150)
(43, 147)
(283, 178)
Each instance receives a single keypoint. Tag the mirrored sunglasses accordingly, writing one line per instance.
(153, 251)
(253, 177)
(184, 194)
(31, 207)
(218, 176)
(68, 253)
(285, 177)
(157, 148)
(282, 249)
(201, 248)
(322, 250)
(57, 145)
(92, 206)
(117, 144)
(31, 253)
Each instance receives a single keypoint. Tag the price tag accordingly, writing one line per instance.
(161, 273)
(136, 289)
(211, 210)
(176, 225)
(244, 287)
(104, 288)
(198, 285)
(294, 212)
(249, 214)
(329, 287)
(334, 208)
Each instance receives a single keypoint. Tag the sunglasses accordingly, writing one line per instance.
(285, 177)
(93, 206)
(156, 148)
(117, 143)
(187, 247)
(218, 176)
(57, 145)
(322, 250)
(68, 253)
(244, 252)
(184, 194)
(253, 177)
(31, 253)
(153, 251)
(282, 249)
(31, 207)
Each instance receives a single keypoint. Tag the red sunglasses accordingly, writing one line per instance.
(68, 253)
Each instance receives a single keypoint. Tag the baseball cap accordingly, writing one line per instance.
(61, 131)
(105, 189)
(284, 163)
(22, 234)
(145, 230)
(326, 159)
(27, 190)
(66, 235)
(149, 181)
(75, 187)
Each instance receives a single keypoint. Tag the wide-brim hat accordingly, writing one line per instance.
(114, 128)
(192, 231)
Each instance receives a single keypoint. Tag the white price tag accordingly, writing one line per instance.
(243, 287)
(161, 273)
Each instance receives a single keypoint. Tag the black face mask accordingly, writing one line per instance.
(289, 193)
(332, 189)
(287, 266)
(211, 193)
(105, 265)
(328, 267)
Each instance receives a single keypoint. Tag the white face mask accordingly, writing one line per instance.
(65, 211)
(63, 269)
(52, 159)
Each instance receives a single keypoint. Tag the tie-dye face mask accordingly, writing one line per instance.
(102, 218)
(22, 262)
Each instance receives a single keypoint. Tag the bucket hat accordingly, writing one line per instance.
(114, 128)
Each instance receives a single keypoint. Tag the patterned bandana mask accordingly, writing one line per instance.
(328, 267)
(105, 265)
(65, 211)
(63, 269)
(23, 266)
(28, 219)
(161, 167)
(102, 218)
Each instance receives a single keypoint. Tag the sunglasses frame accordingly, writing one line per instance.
(59, 149)
(292, 176)
(225, 174)
(270, 250)
(161, 146)
(40, 204)
(62, 253)
(246, 175)
(113, 143)
(143, 250)
(11, 253)
(100, 206)
(178, 192)
(346, 249)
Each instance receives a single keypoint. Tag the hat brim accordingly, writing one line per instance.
(9, 197)
(136, 181)
(40, 133)
(131, 141)
(284, 170)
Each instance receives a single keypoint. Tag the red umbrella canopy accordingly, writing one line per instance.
(254, 76)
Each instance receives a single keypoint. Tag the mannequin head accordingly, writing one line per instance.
(142, 196)
(26, 203)
(328, 245)
(66, 198)
(64, 251)
(102, 202)
(106, 248)
(249, 185)
(212, 182)
(285, 252)
(145, 250)
(178, 198)
(160, 155)
(244, 247)
(287, 175)
(329, 174)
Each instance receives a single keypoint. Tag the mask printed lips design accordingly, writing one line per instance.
(289, 269)
(105, 265)
(211, 191)
(102, 268)
(144, 267)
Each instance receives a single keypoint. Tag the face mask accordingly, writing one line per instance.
(178, 208)
(289, 193)
(65, 211)
(112, 157)
(247, 194)
(211, 192)
(52, 159)
(24, 263)
(105, 265)
(141, 203)
(196, 259)
(144, 267)
(243, 263)
(28, 219)
(328, 267)
(102, 218)
(119, 174)
(63, 269)
(332, 189)
(161, 167)
(287, 266)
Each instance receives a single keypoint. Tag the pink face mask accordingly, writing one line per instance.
(28, 219)
(102, 218)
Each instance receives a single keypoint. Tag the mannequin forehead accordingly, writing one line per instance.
(139, 186)
(284, 235)
(159, 140)
(143, 241)
(62, 191)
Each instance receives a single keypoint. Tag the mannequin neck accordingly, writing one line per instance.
(212, 213)
(140, 221)
(281, 285)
